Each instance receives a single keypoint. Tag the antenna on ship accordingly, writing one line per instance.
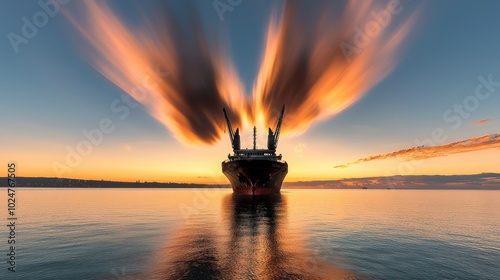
(254, 138)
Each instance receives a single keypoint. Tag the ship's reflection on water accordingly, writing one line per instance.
(251, 241)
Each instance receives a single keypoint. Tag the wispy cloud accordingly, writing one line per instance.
(491, 141)
(469, 181)
(315, 60)
(480, 121)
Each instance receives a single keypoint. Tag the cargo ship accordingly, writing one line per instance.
(255, 171)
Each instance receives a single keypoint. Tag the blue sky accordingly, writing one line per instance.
(50, 93)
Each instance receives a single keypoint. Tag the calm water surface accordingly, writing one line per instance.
(210, 234)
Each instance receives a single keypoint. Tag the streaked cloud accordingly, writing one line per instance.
(315, 61)
(480, 121)
(473, 181)
(319, 64)
(168, 64)
(491, 141)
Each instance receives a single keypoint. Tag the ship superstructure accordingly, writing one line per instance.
(255, 171)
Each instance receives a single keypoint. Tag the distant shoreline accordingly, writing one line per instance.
(51, 182)
(282, 189)
(483, 181)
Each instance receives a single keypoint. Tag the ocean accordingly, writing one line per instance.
(211, 234)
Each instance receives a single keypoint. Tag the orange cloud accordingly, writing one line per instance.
(180, 73)
(481, 121)
(305, 67)
(182, 80)
(491, 141)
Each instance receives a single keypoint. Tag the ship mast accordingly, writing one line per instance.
(254, 138)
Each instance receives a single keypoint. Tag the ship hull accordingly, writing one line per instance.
(255, 176)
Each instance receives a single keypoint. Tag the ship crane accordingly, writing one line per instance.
(273, 137)
(234, 137)
(255, 171)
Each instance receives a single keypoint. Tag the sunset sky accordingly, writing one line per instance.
(438, 86)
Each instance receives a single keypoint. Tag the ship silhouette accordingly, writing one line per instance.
(255, 171)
